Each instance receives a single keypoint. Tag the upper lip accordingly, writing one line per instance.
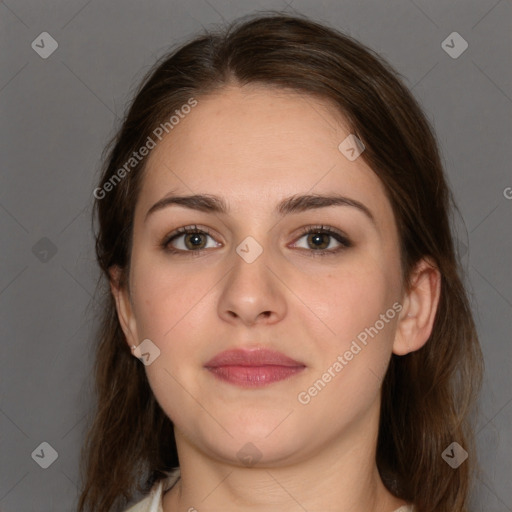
(254, 357)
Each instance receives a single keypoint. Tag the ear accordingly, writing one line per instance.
(124, 307)
(419, 308)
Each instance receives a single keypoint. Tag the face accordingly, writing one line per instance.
(318, 283)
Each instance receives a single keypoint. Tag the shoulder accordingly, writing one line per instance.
(153, 502)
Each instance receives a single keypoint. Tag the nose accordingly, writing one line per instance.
(252, 293)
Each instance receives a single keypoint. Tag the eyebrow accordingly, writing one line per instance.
(295, 204)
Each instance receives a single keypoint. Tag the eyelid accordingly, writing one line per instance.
(323, 228)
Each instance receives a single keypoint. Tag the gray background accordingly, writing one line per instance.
(56, 115)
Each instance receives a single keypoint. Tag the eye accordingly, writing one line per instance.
(321, 239)
(191, 239)
(187, 239)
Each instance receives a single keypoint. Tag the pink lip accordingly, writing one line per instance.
(253, 368)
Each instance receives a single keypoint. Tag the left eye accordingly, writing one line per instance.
(322, 240)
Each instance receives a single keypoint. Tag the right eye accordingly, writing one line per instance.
(186, 239)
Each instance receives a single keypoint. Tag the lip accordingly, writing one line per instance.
(253, 368)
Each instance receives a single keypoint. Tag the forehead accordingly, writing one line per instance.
(255, 145)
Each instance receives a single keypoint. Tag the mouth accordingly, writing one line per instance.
(253, 368)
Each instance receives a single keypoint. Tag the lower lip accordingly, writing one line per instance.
(254, 376)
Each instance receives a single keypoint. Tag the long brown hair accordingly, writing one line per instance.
(428, 396)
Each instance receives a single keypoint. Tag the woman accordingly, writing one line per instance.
(286, 326)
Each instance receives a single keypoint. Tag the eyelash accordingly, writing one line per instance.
(325, 230)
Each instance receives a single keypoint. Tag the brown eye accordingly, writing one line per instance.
(319, 240)
(322, 240)
(187, 239)
(194, 240)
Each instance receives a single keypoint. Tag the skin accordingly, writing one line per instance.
(255, 146)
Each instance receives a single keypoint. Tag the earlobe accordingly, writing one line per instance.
(124, 307)
(421, 302)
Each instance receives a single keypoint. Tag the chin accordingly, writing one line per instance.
(260, 453)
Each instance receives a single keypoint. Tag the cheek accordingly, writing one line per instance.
(171, 309)
(355, 336)
(347, 300)
(169, 302)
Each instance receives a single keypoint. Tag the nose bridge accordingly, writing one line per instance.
(251, 288)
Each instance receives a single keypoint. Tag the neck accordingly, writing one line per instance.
(341, 476)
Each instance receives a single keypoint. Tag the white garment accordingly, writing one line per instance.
(153, 502)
